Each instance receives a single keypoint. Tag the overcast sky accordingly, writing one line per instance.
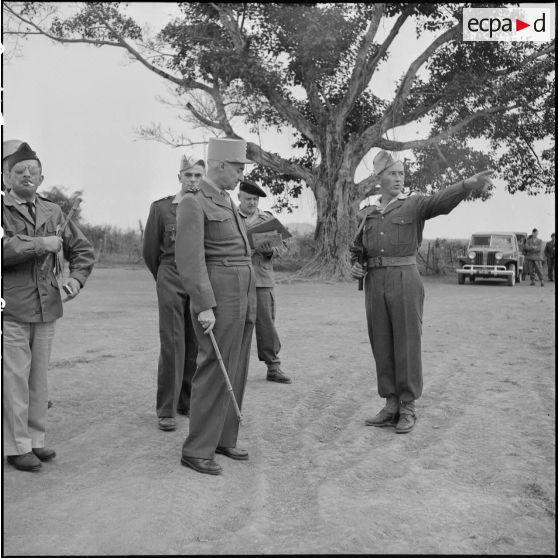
(79, 107)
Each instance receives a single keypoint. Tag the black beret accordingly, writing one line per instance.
(252, 188)
(23, 153)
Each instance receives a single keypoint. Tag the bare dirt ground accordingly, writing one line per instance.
(476, 476)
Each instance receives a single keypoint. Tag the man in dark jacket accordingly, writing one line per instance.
(267, 337)
(32, 235)
(549, 255)
(391, 233)
(533, 254)
(177, 359)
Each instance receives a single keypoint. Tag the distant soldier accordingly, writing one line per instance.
(214, 263)
(391, 232)
(177, 359)
(549, 255)
(533, 254)
(267, 337)
(8, 149)
(32, 234)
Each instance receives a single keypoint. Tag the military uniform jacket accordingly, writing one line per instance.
(549, 249)
(33, 295)
(533, 249)
(262, 263)
(398, 230)
(159, 235)
(208, 227)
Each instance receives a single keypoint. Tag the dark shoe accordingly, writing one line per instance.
(406, 423)
(200, 465)
(49, 405)
(278, 376)
(233, 453)
(44, 454)
(167, 423)
(383, 418)
(185, 412)
(25, 462)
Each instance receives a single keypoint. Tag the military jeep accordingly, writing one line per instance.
(492, 255)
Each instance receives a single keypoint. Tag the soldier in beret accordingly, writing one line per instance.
(31, 225)
(8, 149)
(391, 232)
(177, 358)
(214, 263)
(267, 337)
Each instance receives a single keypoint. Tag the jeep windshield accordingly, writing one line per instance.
(496, 241)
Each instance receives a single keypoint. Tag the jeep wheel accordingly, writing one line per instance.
(511, 278)
(460, 278)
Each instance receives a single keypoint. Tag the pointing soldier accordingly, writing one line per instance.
(177, 358)
(391, 232)
(213, 260)
(267, 338)
(33, 230)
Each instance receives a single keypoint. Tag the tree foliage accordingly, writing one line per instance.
(309, 68)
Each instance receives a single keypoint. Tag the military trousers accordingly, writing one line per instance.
(267, 338)
(179, 347)
(550, 268)
(534, 267)
(213, 421)
(26, 354)
(394, 298)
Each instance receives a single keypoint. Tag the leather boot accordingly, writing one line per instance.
(388, 416)
(407, 417)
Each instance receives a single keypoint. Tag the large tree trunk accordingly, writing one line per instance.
(335, 228)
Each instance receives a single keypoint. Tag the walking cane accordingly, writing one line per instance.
(224, 370)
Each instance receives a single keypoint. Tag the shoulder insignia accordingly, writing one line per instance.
(192, 190)
(268, 212)
(165, 198)
(45, 198)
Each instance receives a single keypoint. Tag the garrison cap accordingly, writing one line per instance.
(22, 153)
(251, 188)
(382, 161)
(9, 147)
(227, 150)
(189, 162)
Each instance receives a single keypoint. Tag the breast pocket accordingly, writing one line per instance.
(220, 226)
(404, 229)
(169, 236)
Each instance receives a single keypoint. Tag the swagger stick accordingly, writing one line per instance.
(224, 370)
(62, 228)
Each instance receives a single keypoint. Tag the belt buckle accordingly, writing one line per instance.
(380, 262)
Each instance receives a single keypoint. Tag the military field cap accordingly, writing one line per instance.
(189, 162)
(227, 150)
(9, 147)
(22, 153)
(251, 188)
(383, 161)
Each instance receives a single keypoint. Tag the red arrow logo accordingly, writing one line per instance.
(519, 25)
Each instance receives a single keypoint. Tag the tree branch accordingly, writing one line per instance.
(286, 109)
(277, 163)
(403, 90)
(364, 69)
(392, 145)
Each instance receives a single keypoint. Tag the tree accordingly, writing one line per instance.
(309, 67)
(58, 195)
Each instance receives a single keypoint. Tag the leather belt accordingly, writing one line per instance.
(233, 261)
(388, 261)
